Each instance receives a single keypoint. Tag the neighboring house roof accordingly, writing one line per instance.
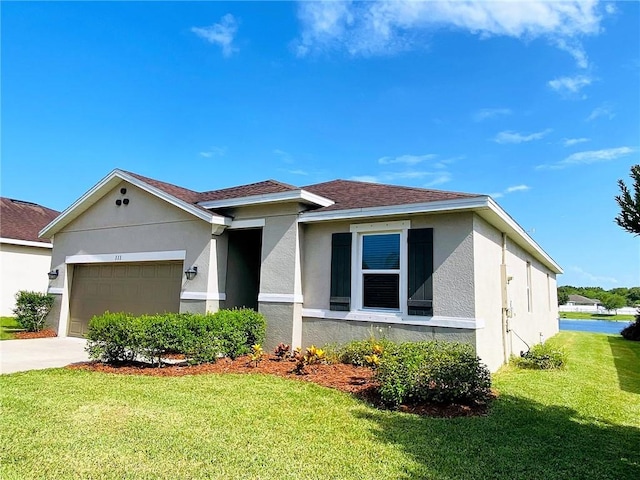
(21, 221)
(336, 199)
(580, 300)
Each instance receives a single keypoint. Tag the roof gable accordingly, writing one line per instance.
(20, 220)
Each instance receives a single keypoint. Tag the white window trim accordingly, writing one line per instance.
(128, 257)
(357, 288)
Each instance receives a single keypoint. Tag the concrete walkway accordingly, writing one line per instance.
(40, 353)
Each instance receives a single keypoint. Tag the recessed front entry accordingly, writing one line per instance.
(137, 288)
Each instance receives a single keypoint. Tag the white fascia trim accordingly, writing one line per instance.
(203, 296)
(250, 223)
(425, 207)
(393, 226)
(25, 243)
(128, 257)
(519, 231)
(108, 182)
(280, 298)
(292, 195)
(55, 290)
(435, 321)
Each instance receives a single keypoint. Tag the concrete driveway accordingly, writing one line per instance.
(40, 353)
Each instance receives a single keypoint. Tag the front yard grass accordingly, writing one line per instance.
(582, 422)
(8, 326)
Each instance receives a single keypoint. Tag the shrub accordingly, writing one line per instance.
(203, 338)
(360, 352)
(542, 356)
(114, 337)
(440, 372)
(32, 309)
(282, 350)
(632, 331)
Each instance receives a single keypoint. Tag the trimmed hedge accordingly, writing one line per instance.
(121, 337)
(435, 371)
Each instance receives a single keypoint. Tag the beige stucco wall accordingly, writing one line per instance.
(147, 224)
(453, 292)
(542, 317)
(321, 331)
(540, 321)
(21, 268)
(487, 245)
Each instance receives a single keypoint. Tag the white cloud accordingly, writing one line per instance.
(594, 279)
(406, 159)
(297, 172)
(488, 113)
(439, 179)
(514, 137)
(365, 178)
(214, 152)
(603, 111)
(570, 85)
(588, 157)
(221, 34)
(508, 190)
(568, 142)
(284, 156)
(575, 49)
(518, 188)
(384, 27)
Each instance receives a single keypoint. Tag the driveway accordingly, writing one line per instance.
(40, 353)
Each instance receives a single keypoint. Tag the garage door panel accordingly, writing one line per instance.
(132, 288)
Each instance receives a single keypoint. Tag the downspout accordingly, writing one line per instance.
(504, 281)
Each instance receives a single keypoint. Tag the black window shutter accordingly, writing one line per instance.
(340, 272)
(420, 259)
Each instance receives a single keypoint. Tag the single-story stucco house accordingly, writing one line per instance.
(582, 300)
(24, 257)
(329, 262)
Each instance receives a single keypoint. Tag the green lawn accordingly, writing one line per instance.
(8, 325)
(581, 423)
(596, 316)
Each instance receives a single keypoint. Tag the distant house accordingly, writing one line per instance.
(329, 262)
(25, 258)
(580, 300)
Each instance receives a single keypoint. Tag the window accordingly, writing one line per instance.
(383, 266)
(380, 270)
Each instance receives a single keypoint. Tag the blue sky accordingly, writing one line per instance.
(535, 103)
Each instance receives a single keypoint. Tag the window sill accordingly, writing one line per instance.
(384, 317)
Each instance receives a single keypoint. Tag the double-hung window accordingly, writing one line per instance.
(383, 266)
(378, 281)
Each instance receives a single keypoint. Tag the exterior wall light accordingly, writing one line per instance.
(53, 274)
(191, 273)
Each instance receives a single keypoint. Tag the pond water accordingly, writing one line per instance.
(594, 326)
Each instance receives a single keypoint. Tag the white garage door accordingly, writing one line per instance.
(137, 288)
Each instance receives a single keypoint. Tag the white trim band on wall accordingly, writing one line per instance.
(435, 321)
(128, 257)
(280, 298)
(55, 290)
(249, 223)
(25, 243)
(203, 296)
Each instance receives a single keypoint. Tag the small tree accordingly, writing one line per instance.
(613, 301)
(629, 216)
(32, 309)
(563, 297)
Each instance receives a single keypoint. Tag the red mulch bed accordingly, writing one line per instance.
(358, 381)
(41, 334)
